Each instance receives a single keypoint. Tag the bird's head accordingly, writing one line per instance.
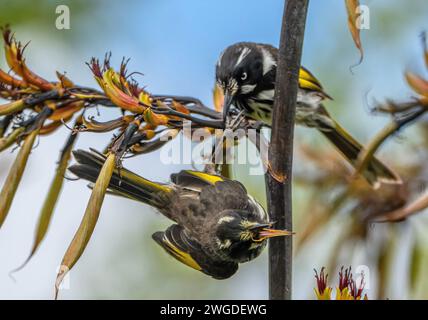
(241, 236)
(241, 68)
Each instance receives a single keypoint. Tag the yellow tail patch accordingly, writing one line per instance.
(211, 179)
(138, 180)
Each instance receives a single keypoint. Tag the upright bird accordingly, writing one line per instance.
(217, 223)
(246, 73)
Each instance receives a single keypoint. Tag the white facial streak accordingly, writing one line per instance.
(225, 219)
(266, 94)
(247, 88)
(260, 211)
(244, 52)
(268, 61)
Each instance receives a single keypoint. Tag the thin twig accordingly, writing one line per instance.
(416, 206)
(390, 129)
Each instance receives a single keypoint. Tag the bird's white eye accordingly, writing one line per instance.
(244, 76)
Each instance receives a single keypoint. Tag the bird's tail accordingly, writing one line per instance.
(123, 182)
(375, 172)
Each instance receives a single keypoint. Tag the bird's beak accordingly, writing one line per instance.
(228, 98)
(265, 231)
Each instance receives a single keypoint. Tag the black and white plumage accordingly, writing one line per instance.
(217, 224)
(246, 73)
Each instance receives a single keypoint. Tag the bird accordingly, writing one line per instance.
(217, 224)
(246, 72)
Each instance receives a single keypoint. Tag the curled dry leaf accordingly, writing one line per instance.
(90, 218)
(353, 16)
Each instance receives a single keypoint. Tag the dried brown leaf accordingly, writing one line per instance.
(84, 232)
(352, 8)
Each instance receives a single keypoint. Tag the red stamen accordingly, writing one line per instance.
(321, 280)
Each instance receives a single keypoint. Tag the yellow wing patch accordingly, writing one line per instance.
(180, 255)
(211, 179)
(308, 81)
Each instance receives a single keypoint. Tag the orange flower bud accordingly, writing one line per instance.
(155, 119)
(417, 83)
(179, 107)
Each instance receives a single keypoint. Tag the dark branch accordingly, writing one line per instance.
(281, 146)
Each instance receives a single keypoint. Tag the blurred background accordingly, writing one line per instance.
(176, 44)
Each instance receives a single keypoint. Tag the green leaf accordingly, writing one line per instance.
(15, 174)
(51, 198)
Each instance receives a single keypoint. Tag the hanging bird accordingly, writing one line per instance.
(246, 73)
(217, 223)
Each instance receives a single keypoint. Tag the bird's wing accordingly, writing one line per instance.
(224, 195)
(178, 244)
(308, 81)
